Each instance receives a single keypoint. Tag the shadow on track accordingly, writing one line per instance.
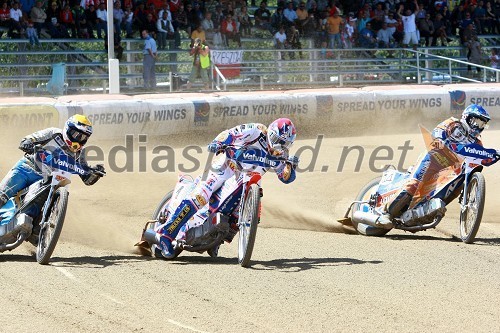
(96, 262)
(285, 265)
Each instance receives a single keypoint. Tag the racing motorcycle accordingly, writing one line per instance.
(428, 206)
(234, 207)
(48, 198)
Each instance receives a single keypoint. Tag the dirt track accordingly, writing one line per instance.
(309, 273)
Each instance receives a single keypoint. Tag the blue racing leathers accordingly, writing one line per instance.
(24, 172)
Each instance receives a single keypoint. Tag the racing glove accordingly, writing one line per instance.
(293, 160)
(27, 146)
(215, 147)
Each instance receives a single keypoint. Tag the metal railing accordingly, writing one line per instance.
(25, 69)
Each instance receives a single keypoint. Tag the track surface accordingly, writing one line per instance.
(309, 273)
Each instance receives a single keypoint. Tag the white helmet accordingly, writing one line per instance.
(474, 119)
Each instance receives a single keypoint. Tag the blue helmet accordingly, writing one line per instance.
(474, 119)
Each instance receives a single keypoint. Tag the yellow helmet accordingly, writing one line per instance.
(77, 131)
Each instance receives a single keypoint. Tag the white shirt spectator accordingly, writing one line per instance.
(280, 37)
(102, 14)
(16, 14)
(409, 23)
(391, 21)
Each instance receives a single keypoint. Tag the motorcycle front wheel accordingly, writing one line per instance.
(248, 225)
(470, 217)
(51, 230)
(364, 195)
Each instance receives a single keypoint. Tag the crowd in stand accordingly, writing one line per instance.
(332, 24)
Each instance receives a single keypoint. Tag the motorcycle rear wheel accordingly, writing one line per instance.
(156, 216)
(248, 224)
(470, 218)
(364, 195)
(49, 234)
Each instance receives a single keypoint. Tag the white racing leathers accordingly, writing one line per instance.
(252, 140)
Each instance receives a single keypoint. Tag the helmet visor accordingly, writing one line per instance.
(76, 136)
(278, 142)
(478, 123)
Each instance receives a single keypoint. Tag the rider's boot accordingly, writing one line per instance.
(395, 208)
(233, 230)
(182, 214)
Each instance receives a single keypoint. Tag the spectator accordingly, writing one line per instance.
(149, 61)
(67, 21)
(150, 25)
(245, 22)
(364, 20)
(262, 17)
(102, 18)
(201, 63)
(457, 16)
(56, 30)
(367, 38)
(334, 25)
(410, 26)
(91, 18)
(16, 21)
(32, 34)
(118, 17)
(165, 29)
(293, 41)
(181, 21)
(447, 21)
(479, 16)
(230, 31)
(439, 31)
(350, 33)
(384, 37)
(209, 27)
(277, 20)
(4, 16)
(309, 26)
(218, 17)
(140, 16)
(198, 33)
(469, 30)
(302, 17)
(494, 58)
(290, 14)
(490, 19)
(80, 21)
(474, 54)
(378, 17)
(192, 17)
(426, 28)
(128, 20)
(391, 22)
(38, 16)
(280, 41)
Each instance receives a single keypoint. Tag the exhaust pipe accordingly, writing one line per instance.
(370, 219)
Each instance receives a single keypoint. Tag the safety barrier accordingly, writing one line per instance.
(328, 111)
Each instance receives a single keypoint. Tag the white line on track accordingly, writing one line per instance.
(72, 277)
(185, 326)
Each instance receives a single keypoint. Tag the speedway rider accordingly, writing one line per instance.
(274, 140)
(75, 134)
(446, 137)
